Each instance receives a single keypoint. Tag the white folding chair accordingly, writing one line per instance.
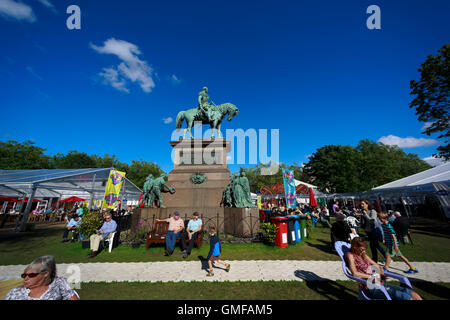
(110, 241)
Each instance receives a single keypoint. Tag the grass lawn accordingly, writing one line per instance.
(269, 290)
(430, 243)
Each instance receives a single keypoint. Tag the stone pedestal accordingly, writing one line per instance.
(241, 221)
(208, 157)
(192, 156)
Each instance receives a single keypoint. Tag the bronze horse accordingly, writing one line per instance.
(217, 115)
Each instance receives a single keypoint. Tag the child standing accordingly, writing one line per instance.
(214, 252)
(390, 239)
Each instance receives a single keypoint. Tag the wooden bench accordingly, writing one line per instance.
(159, 232)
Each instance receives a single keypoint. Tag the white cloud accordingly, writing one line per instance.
(30, 70)
(408, 142)
(49, 5)
(432, 161)
(426, 125)
(175, 79)
(130, 69)
(167, 120)
(112, 77)
(16, 10)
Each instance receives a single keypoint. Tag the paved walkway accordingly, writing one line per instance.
(256, 270)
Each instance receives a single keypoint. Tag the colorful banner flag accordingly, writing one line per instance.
(289, 188)
(259, 202)
(112, 190)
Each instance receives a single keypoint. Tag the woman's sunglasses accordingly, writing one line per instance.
(30, 275)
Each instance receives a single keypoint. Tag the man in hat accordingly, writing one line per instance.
(176, 226)
(193, 229)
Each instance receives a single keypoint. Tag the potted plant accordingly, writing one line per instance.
(90, 222)
(269, 232)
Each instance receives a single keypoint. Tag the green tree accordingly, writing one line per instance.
(22, 155)
(335, 168)
(382, 163)
(257, 180)
(355, 169)
(431, 99)
(138, 171)
(74, 160)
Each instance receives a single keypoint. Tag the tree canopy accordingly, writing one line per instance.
(257, 180)
(355, 169)
(431, 99)
(25, 155)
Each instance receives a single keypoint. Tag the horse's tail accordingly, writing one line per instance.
(180, 118)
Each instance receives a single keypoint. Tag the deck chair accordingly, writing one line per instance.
(342, 248)
(109, 240)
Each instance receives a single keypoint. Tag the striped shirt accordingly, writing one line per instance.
(388, 231)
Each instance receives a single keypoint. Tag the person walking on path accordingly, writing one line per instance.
(214, 252)
(192, 232)
(176, 226)
(372, 229)
(392, 244)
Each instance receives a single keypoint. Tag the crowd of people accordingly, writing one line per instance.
(379, 228)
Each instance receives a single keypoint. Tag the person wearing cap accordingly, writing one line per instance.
(192, 231)
(176, 226)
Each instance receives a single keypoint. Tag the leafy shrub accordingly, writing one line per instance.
(269, 231)
(90, 222)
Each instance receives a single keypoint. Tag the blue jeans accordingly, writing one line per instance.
(395, 292)
(171, 239)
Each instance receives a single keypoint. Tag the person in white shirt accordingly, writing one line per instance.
(193, 230)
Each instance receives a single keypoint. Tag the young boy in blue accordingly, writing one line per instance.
(214, 252)
(390, 239)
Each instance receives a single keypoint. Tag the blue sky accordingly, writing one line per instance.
(311, 69)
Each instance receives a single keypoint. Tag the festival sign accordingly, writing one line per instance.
(289, 188)
(115, 181)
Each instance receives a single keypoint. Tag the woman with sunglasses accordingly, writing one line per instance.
(362, 266)
(41, 283)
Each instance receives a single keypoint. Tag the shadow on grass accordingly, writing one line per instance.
(16, 237)
(327, 288)
(431, 288)
(324, 246)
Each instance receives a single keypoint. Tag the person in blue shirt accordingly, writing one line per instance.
(108, 227)
(73, 225)
(193, 230)
(214, 252)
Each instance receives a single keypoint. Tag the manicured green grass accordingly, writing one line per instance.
(430, 244)
(269, 290)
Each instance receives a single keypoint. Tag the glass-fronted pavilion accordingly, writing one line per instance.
(54, 184)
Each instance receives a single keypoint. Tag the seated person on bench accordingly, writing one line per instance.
(176, 226)
(73, 225)
(192, 231)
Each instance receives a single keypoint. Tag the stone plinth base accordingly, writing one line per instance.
(239, 222)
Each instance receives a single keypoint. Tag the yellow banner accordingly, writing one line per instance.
(259, 202)
(115, 181)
